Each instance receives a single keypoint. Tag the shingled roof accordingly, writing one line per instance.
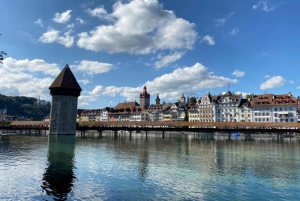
(65, 84)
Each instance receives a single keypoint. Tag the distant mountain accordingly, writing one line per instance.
(24, 106)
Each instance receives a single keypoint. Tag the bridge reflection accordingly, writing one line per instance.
(58, 178)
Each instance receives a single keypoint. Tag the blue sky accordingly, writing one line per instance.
(114, 48)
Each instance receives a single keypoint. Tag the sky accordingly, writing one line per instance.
(172, 47)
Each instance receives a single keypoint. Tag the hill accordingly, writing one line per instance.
(24, 106)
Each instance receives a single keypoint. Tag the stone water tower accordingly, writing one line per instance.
(65, 91)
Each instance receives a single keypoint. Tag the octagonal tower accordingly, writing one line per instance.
(65, 91)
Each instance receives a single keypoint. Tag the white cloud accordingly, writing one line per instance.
(238, 73)
(234, 31)
(139, 27)
(264, 6)
(170, 86)
(93, 67)
(97, 12)
(36, 65)
(267, 76)
(70, 26)
(165, 60)
(220, 22)
(291, 82)
(84, 81)
(63, 17)
(39, 22)
(209, 40)
(52, 36)
(275, 81)
(23, 84)
(80, 21)
(298, 87)
(243, 93)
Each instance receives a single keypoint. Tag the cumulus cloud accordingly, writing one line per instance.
(170, 86)
(70, 26)
(93, 67)
(80, 21)
(18, 83)
(209, 40)
(97, 12)
(84, 81)
(238, 73)
(52, 36)
(263, 5)
(165, 60)
(234, 31)
(62, 17)
(275, 81)
(139, 27)
(39, 22)
(26, 65)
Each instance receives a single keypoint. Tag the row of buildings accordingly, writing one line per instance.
(227, 107)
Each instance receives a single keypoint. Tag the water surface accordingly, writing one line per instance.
(177, 167)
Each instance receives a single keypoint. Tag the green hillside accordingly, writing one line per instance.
(24, 106)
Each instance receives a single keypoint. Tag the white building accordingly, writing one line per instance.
(227, 107)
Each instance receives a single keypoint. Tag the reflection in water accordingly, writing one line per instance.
(58, 178)
(143, 163)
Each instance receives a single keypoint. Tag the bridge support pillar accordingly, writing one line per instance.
(163, 134)
(100, 133)
(115, 133)
(130, 132)
(82, 133)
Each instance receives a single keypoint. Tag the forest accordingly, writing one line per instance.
(24, 106)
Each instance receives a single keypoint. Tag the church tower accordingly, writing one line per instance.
(157, 100)
(183, 99)
(65, 91)
(144, 98)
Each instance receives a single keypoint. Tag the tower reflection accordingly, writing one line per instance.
(59, 178)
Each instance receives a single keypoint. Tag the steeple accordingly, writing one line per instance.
(157, 100)
(182, 99)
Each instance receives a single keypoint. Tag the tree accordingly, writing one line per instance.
(193, 100)
(248, 96)
(1, 55)
(186, 117)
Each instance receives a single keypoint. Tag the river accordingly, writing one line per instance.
(177, 167)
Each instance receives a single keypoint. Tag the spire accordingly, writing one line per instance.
(157, 100)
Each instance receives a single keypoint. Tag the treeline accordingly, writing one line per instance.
(24, 106)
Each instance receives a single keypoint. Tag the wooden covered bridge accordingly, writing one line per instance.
(181, 126)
